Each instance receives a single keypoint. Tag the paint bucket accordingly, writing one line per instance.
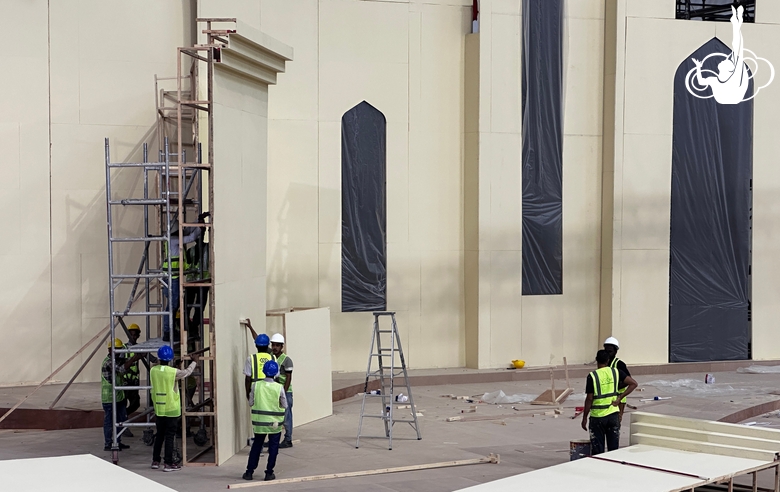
(579, 449)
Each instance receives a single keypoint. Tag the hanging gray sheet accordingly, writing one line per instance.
(363, 210)
(709, 272)
(542, 118)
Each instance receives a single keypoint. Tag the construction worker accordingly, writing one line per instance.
(167, 405)
(106, 392)
(191, 234)
(253, 367)
(611, 345)
(268, 402)
(133, 376)
(197, 297)
(601, 404)
(285, 379)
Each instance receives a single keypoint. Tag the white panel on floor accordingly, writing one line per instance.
(82, 473)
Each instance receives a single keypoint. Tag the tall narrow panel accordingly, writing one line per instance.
(363, 210)
(709, 267)
(542, 147)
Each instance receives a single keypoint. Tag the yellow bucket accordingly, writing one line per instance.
(519, 364)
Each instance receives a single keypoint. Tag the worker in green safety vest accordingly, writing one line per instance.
(133, 375)
(602, 404)
(167, 405)
(611, 345)
(253, 367)
(122, 365)
(197, 272)
(285, 379)
(268, 402)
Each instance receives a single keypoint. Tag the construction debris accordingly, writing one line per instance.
(550, 396)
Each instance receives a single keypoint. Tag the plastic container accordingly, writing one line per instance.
(579, 449)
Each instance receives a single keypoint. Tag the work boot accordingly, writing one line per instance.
(247, 475)
(285, 444)
(171, 468)
(155, 465)
(269, 476)
(123, 446)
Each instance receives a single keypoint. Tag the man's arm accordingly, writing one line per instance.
(191, 234)
(282, 399)
(252, 330)
(586, 410)
(247, 385)
(181, 374)
(287, 382)
(631, 385)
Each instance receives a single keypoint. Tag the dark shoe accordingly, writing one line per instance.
(269, 477)
(247, 476)
(171, 468)
(285, 444)
(107, 447)
(155, 465)
(123, 446)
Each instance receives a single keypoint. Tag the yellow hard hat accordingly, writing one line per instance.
(133, 326)
(117, 343)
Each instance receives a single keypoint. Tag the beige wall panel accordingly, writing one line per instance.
(542, 329)
(647, 178)
(66, 320)
(650, 68)
(486, 235)
(404, 297)
(485, 304)
(91, 372)
(64, 61)
(510, 7)
(650, 8)
(308, 345)
(471, 306)
(397, 182)
(584, 9)
(505, 205)
(506, 88)
(581, 302)
(296, 24)
(643, 329)
(442, 317)
(240, 145)
(26, 314)
(584, 78)
(471, 191)
(582, 196)
(94, 285)
(10, 140)
(767, 12)
(329, 183)
(485, 67)
(506, 313)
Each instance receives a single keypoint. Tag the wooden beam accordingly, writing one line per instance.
(491, 458)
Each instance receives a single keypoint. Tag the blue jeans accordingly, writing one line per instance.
(121, 416)
(288, 424)
(171, 296)
(257, 448)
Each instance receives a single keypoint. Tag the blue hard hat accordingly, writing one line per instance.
(270, 369)
(262, 340)
(165, 353)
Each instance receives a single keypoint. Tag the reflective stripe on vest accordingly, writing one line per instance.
(174, 261)
(267, 414)
(604, 391)
(105, 387)
(282, 374)
(614, 366)
(165, 394)
(258, 361)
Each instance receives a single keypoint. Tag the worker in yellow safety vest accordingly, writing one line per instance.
(167, 405)
(253, 367)
(601, 404)
(285, 379)
(611, 345)
(121, 365)
(268, 402)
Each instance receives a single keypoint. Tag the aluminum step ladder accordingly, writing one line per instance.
(386, 373)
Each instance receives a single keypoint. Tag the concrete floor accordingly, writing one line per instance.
(328, 445)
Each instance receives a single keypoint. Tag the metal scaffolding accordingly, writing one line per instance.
(175, 191)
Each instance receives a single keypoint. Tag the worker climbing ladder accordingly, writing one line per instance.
(385, 344)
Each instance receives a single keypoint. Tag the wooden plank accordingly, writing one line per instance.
(491, 458)
(477, 418)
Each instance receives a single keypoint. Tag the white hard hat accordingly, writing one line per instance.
(609, 341)
(277, 338)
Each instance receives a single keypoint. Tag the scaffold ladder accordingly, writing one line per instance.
(386, 373)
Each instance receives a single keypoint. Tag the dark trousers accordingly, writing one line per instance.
(257, 448)
(604, 428)
(133, 400)
(166, 431)
(195, 322)
(121, 416)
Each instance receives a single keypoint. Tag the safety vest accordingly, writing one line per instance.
(605, 391)
(258, 361)
(267, 414)
(165, 391)
(174, 261)
(105, 386)
(282, 374)
(133, 376)
(614, 366)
